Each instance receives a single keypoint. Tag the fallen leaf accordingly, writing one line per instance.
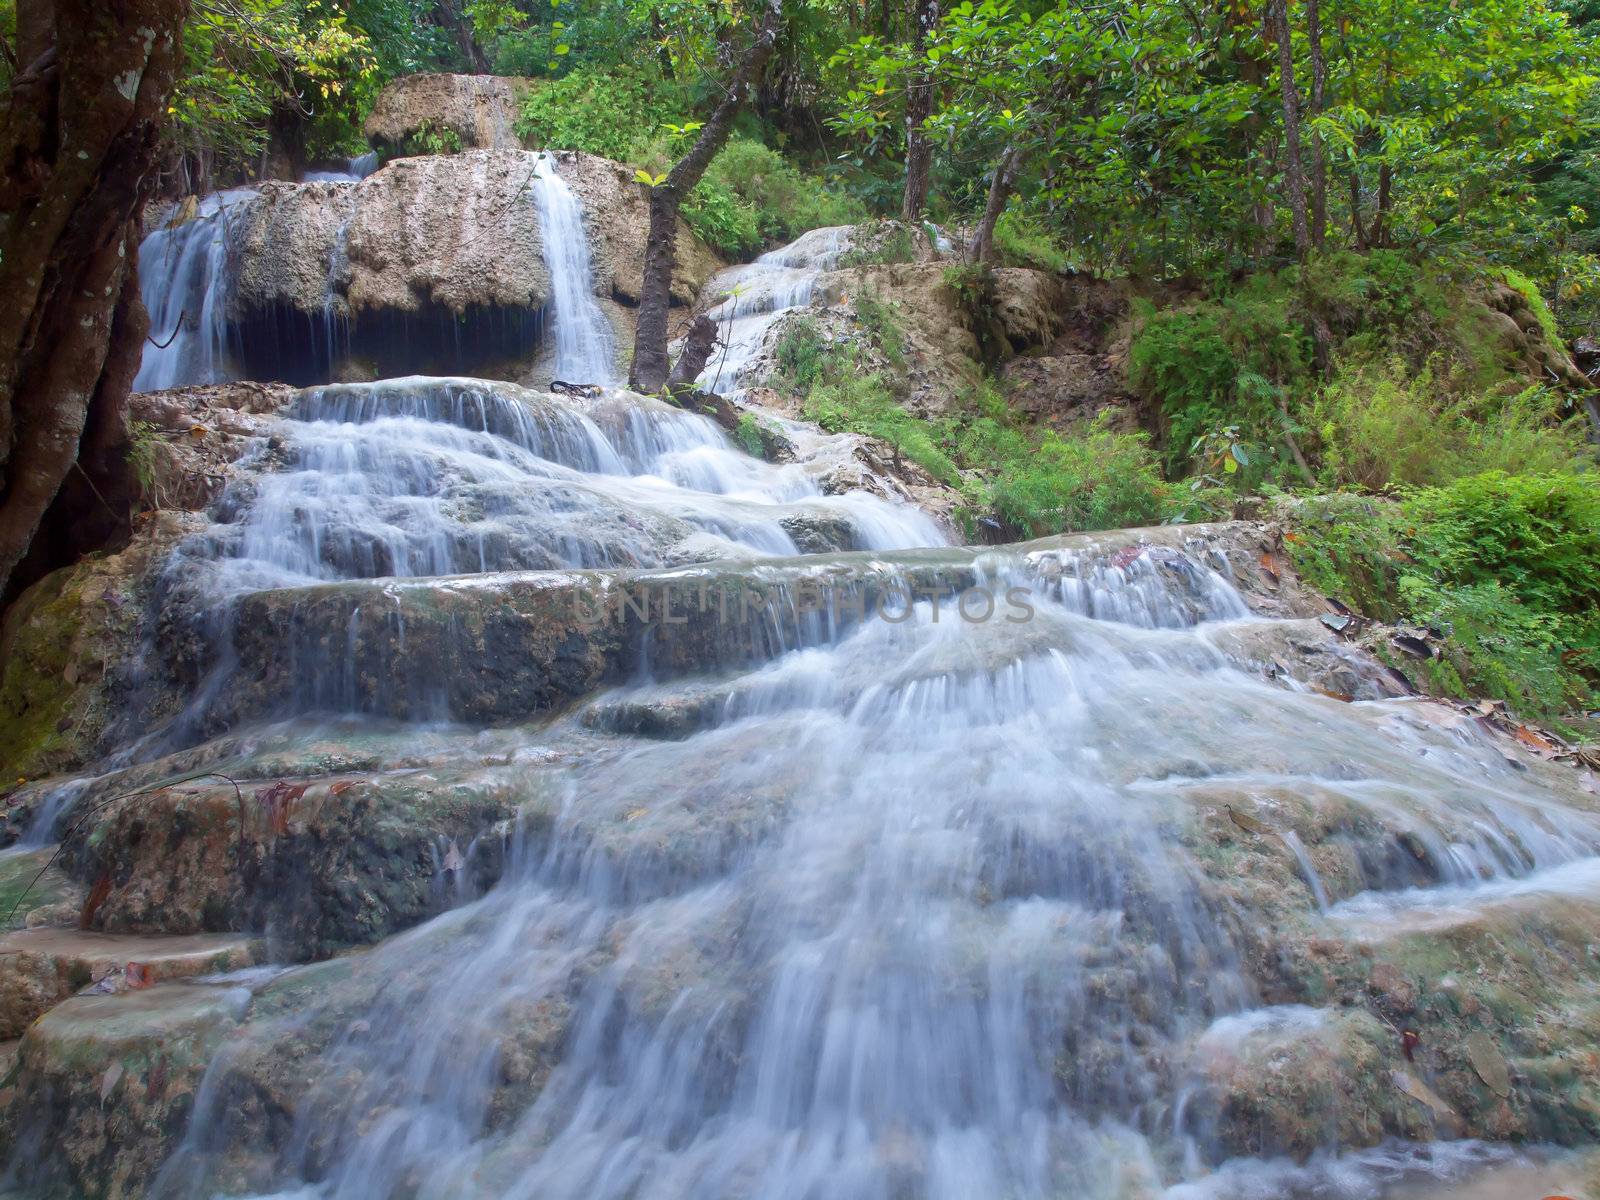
(635, 814)
(1409, 1041)
(1248, 823)
(1345, 697)
(1421, 1093)
(1532, 740)
(1125, 556)
(109, 1081)
(343, 786)
(1489, 1063)
(97, 897)
(197, 431)
(137, 975)
(158, 1079)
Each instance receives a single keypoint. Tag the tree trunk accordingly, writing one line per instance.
(1294, 178)
(1319, 155)
(699, 344)
(459, 25)
(1358, 230)
(981, 249)
(78, 146)
(919, 103)
(1380, 232)
(649, 373)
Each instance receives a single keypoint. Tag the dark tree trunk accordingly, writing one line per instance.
(1380, 231)
(1294, 178)
(699, 344)
(1319, 155)
(919, 103)
(649, 373)
(981, 249)
(459, 25)
(78, 147)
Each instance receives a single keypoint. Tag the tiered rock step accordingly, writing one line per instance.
(503, 647)
(39, 968)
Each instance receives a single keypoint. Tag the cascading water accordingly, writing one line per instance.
(586, 349)
(183, 277)
(914, 906)
(906, 918)
(759, 293)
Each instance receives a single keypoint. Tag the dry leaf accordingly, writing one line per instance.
(109, 1081)
(197, 431)
(137, 975)
(1532, 740)
(1421, 1093)
(1489, 1063)
(340, 788)
(635, 814)
(1246, 822)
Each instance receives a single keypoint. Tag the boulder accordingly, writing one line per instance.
(39, 968)
(475, 112)
(107, 1083)
(431, 265)
(317, 862)
(71, 645)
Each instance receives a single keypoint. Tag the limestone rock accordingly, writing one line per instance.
(39, 968)
(455, 233)
(108, 1082)
(479, 110)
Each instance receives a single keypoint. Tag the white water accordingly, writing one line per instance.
(417, 477)
(586, 349)
(183, 277)
(908, 919)
(758, 294)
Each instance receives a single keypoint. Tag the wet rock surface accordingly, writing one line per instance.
(478, 111)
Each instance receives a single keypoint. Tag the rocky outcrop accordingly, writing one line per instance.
(318, 862)
(431, 265)
(71, 645)
(474, 112)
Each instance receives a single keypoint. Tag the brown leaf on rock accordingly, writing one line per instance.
(1489, 1063)
(138, 975)
(1248, 823)
(1421, 1093)
(97, 897)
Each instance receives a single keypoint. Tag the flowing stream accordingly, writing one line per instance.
(910, 910)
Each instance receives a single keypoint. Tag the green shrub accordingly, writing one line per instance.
(1181, 360)
(1379, 426)
(881, 243)
(802, 354)
(880, 323)
(862, 404)
(1096, 479)
(1023, 242)
(721, 220)
(1506, 566)
(785, 202)
(607, 111)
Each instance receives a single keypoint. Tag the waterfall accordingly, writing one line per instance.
(759, 293)
(586, 350)
(904, 917)
(183, 278)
